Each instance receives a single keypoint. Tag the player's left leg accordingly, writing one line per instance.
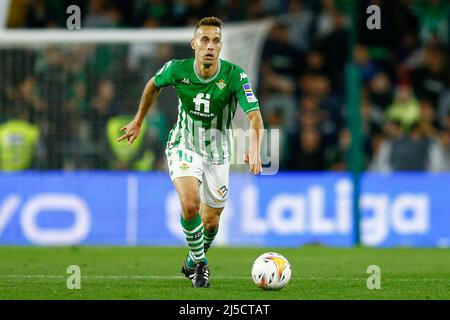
(210, 217)
(213, 194)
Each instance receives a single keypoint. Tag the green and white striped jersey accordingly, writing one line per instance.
(206, 107)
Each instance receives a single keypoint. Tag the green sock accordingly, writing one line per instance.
(191, 263)
(193, 230)
(209, 237)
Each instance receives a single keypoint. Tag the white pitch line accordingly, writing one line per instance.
(137, 277)
(383, 279)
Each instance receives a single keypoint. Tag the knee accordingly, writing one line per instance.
(210, 224)
(190, 208)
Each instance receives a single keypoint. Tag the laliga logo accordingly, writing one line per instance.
(300, 213)
(45, 202)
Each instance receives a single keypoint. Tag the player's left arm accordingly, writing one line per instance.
(250, 106)
(253, 158)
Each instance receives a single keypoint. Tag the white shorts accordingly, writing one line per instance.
(213, 177)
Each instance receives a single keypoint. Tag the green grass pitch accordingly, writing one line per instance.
(154, 273)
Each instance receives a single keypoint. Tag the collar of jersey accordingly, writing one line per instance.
(209, 79)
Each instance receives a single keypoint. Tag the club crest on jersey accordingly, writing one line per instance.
(249, 93)
(221, 84)
(184, 166)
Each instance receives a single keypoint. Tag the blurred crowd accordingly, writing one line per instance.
(404, 68)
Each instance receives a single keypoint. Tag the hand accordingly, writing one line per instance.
(132, 131)
(254, 160)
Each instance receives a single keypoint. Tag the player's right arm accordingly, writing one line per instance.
(133, 129)
(162, 79)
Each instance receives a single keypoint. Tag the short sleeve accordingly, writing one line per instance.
(163, 76)
(244, 92)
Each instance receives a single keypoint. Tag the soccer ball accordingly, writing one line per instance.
(271, 271)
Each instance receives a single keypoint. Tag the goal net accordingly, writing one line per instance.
(70, 86)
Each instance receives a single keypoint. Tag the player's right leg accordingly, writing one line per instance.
(186, 173)
(191, 222)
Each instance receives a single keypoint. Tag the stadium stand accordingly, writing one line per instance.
(404, 68)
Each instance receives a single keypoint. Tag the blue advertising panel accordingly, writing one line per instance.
(287, 209)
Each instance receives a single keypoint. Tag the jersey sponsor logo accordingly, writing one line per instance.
(202, 100)
(221, 84)
(249, 93)
(243, 76)
(186, 81)
(201, 114)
